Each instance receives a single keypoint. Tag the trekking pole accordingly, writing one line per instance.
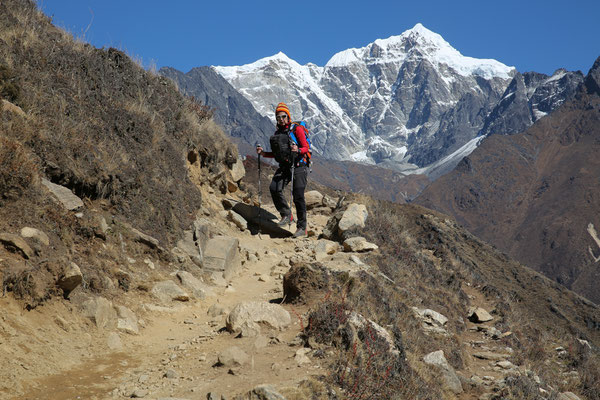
(292, 190)
(259, 193)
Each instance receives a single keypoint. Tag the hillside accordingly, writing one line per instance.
(136, 264)
(535, 195)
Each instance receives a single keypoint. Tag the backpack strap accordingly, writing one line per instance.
(306, 158)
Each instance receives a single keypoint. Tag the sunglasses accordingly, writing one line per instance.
(281, 117)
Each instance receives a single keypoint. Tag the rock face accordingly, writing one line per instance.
(535, 194)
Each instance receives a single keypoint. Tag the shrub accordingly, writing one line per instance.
(18, 170)
(9, 89)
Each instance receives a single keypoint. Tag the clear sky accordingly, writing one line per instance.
(531, 35)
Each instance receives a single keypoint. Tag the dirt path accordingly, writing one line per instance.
(176, 352)
(53, 352)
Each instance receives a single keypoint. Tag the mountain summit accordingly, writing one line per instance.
(403, 102)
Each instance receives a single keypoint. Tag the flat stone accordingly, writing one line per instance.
(168, 291)
(488, 355)
(28, 232)
(145, 239)
(16, 244)
(324, 248)
(127, 321)
(359, 244)
(64, 195)
(238, 220)
(199, 289)
(478, 315)
(221, 255)
(233, 357)
(252, 313)
(430, 316)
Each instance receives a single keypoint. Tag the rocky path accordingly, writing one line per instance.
(185, 351)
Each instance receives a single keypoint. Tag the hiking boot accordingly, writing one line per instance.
(300, 232)
(285, 220)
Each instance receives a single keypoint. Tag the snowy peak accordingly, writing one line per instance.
(421, 42)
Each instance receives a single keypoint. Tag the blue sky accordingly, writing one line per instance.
(529, 35)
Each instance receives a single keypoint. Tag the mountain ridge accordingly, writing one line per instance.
(401, 103)
(534, 194)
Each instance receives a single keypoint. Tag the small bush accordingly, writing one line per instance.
(9, 89)
(18, 170)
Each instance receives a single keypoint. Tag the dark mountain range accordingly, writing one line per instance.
(232, 111)
(536, 195)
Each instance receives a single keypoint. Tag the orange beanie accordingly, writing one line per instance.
(283, 107)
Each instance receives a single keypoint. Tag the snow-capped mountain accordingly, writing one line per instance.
(375, 104)
(403, 102)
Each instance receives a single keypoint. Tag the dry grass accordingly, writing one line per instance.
(18, 172)
(103, 126)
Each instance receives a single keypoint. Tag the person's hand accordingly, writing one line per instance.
(294, 147)
(259, 150)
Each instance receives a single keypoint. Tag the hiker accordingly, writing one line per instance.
(291, 156)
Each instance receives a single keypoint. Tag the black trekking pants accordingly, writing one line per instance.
(282, 177)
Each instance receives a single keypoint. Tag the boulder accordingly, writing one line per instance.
(329, 202)
(189, 247)
(451, 380)
(430, 317)
(197, 288)
(202, 232)
(168, 291)
(222, 255)
(313, 199)
(64, 195)
(232, 357)
(35, 234)
(238, 171)
(358, 244)
(324, 248)
(249, 315)
(238, 220)
(70, 278)
(354, 217)
(361, 323)
(127, 321)
(478, 315)
(16, 244)
(101, 312)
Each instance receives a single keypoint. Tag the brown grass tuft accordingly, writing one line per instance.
(18, 171)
